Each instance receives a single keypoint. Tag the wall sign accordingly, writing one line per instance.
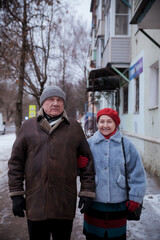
(32, 111)
(136, 69)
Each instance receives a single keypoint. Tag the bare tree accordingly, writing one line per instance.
(41, 48)
(43, 44)
(72, 62)
(27, 32)
(80, 59)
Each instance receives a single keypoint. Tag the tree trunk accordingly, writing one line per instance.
(18, 113)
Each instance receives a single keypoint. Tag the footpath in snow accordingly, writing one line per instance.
(148, 228)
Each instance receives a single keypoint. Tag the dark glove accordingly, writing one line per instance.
(84, 203)
(18, 205)
(82, 161)
(132, 206)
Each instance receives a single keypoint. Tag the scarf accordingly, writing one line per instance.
(111, 134)
(52, 120)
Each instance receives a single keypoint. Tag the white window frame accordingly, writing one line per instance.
(154, 86)
(114, 20)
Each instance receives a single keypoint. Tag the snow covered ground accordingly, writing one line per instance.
(148, 228)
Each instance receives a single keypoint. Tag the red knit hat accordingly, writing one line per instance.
(110, 112)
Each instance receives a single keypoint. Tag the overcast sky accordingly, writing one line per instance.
(82, 8)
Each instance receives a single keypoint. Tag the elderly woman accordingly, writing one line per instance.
(106, 218)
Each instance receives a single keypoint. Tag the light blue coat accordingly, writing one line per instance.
(110, 170)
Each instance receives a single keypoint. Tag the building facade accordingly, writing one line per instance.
(125, 41)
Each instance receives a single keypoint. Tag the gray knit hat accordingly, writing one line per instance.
(52, 91)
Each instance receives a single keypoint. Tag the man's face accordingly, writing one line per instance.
(53, 106)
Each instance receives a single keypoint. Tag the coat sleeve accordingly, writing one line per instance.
(16, 165)
(136, 174)
(87, 174)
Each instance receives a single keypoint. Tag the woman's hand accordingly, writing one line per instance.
(132, 206)
(82, 161)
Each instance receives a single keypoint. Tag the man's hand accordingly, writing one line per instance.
(84, 203)
(132, 206)
(82, 161)
(18, 205)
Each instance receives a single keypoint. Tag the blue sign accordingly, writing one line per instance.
(136, 69)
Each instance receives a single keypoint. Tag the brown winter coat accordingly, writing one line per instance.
(46, 158)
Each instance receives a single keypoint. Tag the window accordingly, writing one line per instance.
(137, 95)
(102, 47)
(153, 86)
(125, 99)
(107, 25)
(94, 55)
(121, 18)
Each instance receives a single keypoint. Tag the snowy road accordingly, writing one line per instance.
(14, 228)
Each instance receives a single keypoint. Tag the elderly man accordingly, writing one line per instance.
(45, 156)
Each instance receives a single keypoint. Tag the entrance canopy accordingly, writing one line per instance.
(107, 79)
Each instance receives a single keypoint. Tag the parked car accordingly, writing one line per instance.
(2, 125)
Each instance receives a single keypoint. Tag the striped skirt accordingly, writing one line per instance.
(105, 221)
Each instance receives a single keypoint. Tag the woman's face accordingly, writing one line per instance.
(106, 125)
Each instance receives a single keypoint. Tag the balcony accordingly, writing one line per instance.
(117, 51)
(146, 14)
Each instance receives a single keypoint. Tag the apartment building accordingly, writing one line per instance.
(124, 70)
